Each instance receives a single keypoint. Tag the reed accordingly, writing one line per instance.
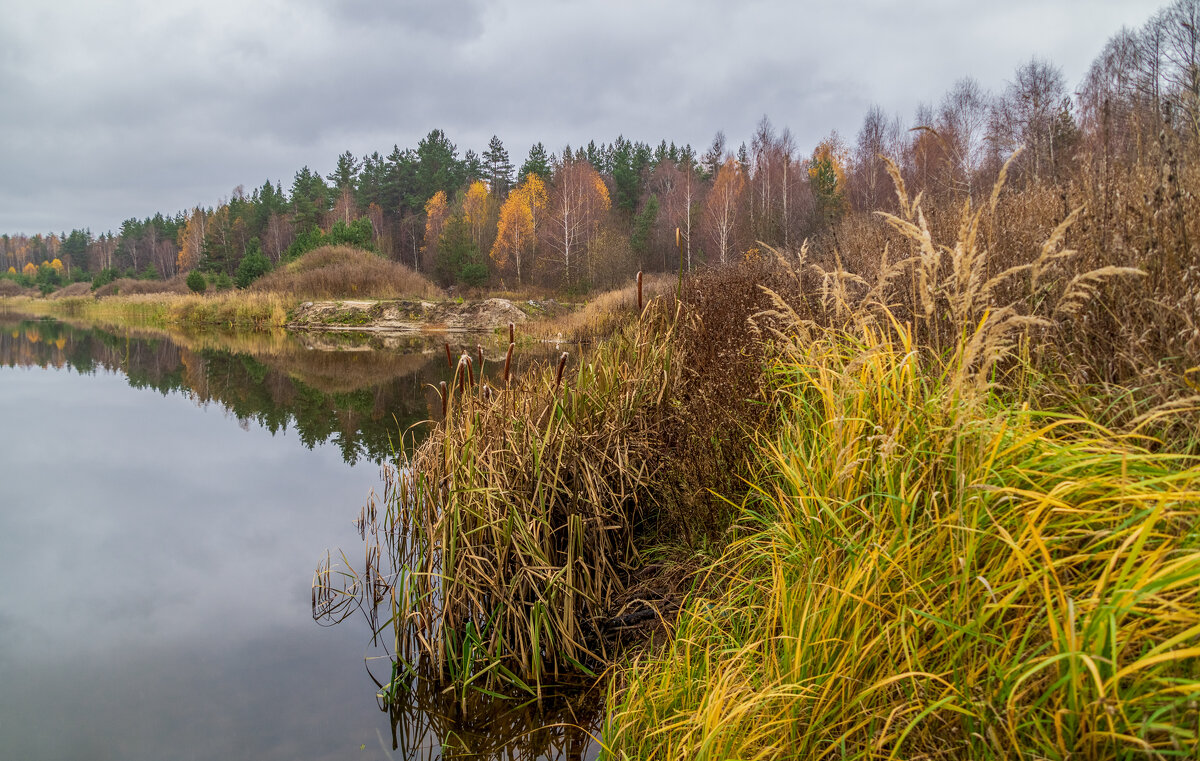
(511, 532)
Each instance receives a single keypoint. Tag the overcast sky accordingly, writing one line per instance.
(122, 108)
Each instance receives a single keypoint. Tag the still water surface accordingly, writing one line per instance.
(163, 502)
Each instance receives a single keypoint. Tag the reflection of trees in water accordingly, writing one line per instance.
(358, 400)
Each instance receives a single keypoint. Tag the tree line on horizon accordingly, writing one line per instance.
(590, 216)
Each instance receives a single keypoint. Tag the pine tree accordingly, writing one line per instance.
(346, 172)
(538, 163)
(498, 168)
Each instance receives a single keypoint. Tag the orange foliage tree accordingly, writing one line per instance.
(191, 241)
(437, 210)
(516, 232)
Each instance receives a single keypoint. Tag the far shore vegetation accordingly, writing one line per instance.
(893, 451)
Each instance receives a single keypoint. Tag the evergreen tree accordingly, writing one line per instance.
(627, 161)
(437, 168)
(714, 156)
(253, 265)
(310, 199)
(538, 163)
(498, 168)
(196, 282)
(346, 172)
(642, 225)
(458, 258)
(399, 178)
(470, 168)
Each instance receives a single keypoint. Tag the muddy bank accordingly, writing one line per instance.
(412, 316)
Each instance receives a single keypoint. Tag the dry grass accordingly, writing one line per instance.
(10, 288)
(74, 290)
(602, 315)
(158, 310)
(129, 287)
(332, 272)
(1138, 333)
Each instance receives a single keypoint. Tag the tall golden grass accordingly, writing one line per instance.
(931, 578)
(158, 310)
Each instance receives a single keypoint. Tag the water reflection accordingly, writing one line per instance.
(353, 390)
(157, 558)
(429, 722)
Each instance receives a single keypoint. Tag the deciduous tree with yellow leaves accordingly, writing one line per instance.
(477, 212)
(516, 234)
(437, 211)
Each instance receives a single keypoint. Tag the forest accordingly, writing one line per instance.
(588, 217)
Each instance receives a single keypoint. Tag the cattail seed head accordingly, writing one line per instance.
(562, 363)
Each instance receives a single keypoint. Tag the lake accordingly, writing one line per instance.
(164, 500)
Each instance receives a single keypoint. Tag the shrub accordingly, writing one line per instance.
(253, 265)
(196, 282)
(104, 277)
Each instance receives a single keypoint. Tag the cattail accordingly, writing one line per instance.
(508, 360)
(444, 393)
(639, 291)
(470, 373)
(449, 359)
(460, 373)
(562, 363)
(479, 351)
(512, 333)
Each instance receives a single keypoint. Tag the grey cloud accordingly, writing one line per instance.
(127, 108)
